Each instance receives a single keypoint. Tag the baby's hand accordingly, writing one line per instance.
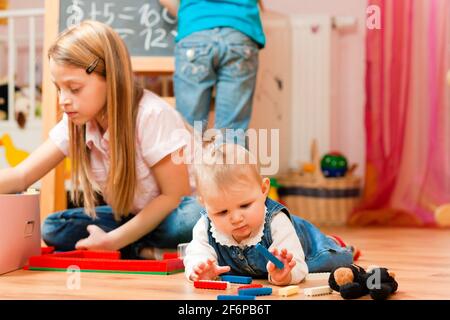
(281, 277)
(207, 271)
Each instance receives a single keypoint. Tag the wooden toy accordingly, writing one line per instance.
(211, 284)
(102, 261)
(264, 291)
(317, 291)
(318, 276)
(236, 279)
(288, 291)
(235, 297)
(253, 285)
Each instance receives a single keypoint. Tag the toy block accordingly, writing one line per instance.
(102, 261)
(253, 285)
(317, 291)
(211, 284)
(107, 265)
(170, 255)
(181, 249)
(264, 291)
(269, 256)
(236, 279)
(47, 250)
(31, 191)
(87, 254)
(318, 276)
(235, 297)
(288, 291)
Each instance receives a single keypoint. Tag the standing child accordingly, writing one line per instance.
(239, 215)
(120, 140)
(217, 45)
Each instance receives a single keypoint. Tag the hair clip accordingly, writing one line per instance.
(92, 66)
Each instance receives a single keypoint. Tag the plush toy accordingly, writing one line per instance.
(22, 105)
(353, 281)
(387, 285)
(21, 110)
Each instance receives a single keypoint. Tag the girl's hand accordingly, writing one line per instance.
(97, 240)
(281, 277)
(207, 271)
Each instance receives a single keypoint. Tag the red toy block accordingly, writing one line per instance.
(254, 285)
(170, 255)
(102, 261)
(87, 254)
(47, 250)
(210, 284)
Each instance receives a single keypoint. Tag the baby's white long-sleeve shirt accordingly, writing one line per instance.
(283, 234)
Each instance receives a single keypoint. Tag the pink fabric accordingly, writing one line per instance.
(157, 124)
(407, 114)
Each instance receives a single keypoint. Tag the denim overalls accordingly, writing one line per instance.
(321, 253)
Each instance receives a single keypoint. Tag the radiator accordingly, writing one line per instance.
(294, 85)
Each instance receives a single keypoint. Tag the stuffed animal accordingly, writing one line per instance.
(21, 110)
(387, 284)
(353, 281)
(22, 105)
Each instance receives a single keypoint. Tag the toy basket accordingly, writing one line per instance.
(322, 201)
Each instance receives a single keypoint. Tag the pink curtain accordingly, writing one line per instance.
(407, 114)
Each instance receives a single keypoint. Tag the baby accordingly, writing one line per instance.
(238, 215)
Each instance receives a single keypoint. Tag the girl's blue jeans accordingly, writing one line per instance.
(65, 228)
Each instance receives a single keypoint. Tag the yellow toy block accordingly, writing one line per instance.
(288, 291)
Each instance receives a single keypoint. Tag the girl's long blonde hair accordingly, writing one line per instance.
(80, 46)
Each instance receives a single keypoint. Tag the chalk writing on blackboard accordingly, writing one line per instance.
(146, 27)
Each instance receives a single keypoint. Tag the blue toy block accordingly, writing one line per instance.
(236, 279)
(235, 297)
(269, 256)
(265, 291)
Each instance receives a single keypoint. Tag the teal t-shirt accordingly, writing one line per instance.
(242, 15)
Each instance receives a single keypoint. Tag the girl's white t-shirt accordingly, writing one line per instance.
(160, 131)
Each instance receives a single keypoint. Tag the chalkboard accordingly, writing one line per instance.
(146, 27)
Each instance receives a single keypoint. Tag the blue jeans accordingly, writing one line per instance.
(221, 57)
(63, 229)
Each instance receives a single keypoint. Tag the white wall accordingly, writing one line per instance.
(348, 133)
(21, 30)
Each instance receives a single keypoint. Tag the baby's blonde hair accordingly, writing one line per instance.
(96, 47)
(219, 167)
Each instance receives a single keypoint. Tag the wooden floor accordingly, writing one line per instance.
(420, 259)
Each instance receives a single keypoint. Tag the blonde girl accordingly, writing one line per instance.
(120, 139)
